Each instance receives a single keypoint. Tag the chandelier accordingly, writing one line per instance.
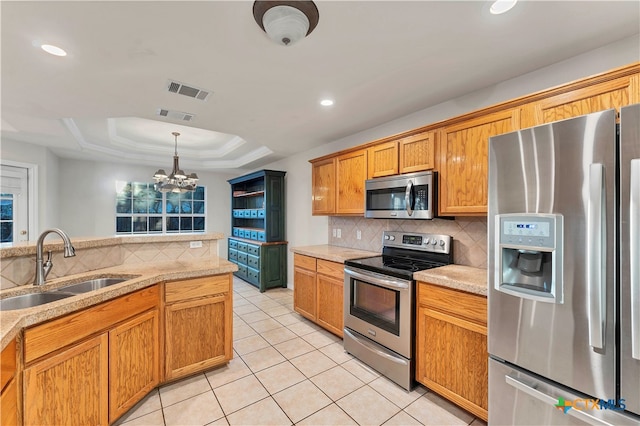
(177, 181)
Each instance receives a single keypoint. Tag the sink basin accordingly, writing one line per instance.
(31, 300)
(91, 285)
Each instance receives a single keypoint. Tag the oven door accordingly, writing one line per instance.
(379, 307)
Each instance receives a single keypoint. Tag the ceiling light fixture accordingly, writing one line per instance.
(286, 22)
(326, 102)
(53, 50)
(501, 6)
(177, 181)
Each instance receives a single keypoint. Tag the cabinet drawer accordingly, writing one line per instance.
(41, 339)
(236, 232)
(241, 233)
(254, 235)
(237, 213)
(242, 247)
(253, 274)
(253, 261)
(304, 262)
(242, 258)
(253, 213)
(233, 244)
(233, 255)
(262, 236)
(261, 213)
(177, 291)
(333, 269)
(254, 250)
(459, 303)
(242, 270)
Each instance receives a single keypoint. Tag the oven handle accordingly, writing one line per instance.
(378, 279)
(368, 345)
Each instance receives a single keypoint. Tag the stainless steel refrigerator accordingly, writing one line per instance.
(563, 272)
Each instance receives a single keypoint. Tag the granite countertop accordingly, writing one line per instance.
(459, 277)
(333, 253)
(142, 275)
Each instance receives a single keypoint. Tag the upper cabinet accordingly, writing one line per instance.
(383, 160)
(323, 182)
(464, 149)
(351, 173)
(417, 152)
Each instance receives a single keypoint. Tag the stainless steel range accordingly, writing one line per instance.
(379, 301)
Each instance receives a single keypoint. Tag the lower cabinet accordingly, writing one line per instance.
(263, 265)
(318, 291)
(9, 385)
(198, 324)
(91, 366)
(451, 346)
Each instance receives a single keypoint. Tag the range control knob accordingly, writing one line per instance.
(386, 237)
(441, 243)
(434, 241)
(392, 237)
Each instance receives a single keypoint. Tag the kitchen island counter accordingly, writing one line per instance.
(333, 253)
(458, 277)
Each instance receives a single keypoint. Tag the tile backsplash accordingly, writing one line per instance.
(469, 234)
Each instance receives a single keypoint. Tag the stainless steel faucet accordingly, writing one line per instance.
(43, 268)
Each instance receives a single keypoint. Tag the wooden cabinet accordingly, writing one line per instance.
(257, 203)
(383, 160)
(464, 149)
(614, 93)
(9, 385)
(351, 173)
(133, 362)
(261, 264)
(417, 152)
(70, 387)
(323, 187)
(104, 358)
(318, 291)
(451, 346)
(198, 324)
(330, 295)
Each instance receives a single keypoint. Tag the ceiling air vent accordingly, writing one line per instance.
(191, 91)
(175, 115)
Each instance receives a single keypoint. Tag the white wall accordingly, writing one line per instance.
(302, 229)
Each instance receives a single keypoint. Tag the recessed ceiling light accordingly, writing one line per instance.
(326, 102)
(54, 50)
(501, 6)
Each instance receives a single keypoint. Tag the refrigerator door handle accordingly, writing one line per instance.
(530, 390)
(634, 253)
(596, 253)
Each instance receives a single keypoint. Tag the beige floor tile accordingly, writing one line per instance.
(288, 319)
(478, 422)
(265, 325)
(361, 370)
(233, 370)
(249, 344)
(320, 338)
(239, 301)
(301, 400)
(402, 419)
(313, 363)
(331, 415)
(264, 412)
(242, 331)
(336, 352)
(222, 421)
(255, 316)
(303, 328)
(278, 335)
(262, 358)
(293, 348)
(198, 410)
(337, 382)
(361, 403)
(153, 418)
(245, 309)
(395, 393)
(280, 377)
(276, 311)
(240, 393)
(148, 404)
(268, 303)
(431, 409)
(184, 389)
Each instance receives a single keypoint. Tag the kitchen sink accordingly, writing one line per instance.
(30, 300)
(90, 285)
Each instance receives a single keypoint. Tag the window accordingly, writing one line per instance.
(6, 218)
(140, 209)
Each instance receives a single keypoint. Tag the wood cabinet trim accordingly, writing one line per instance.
(196, 287)
(9, 404)
(304, 262)
(332, 269)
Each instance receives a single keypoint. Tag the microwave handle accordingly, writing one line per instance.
(408, 198)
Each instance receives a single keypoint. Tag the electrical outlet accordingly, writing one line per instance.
(339, 233)
(195, 244)
(358, 234)
(335, 233)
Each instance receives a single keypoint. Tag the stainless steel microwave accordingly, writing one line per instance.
(409, 196)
